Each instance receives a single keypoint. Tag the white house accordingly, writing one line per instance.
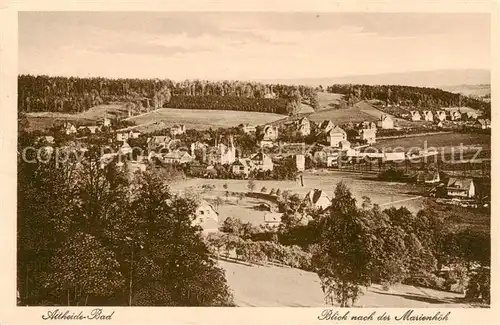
(461, 188)
(415, 116)
(483, 124)
(455, 115)
(222, 153)
(178, 129)
(304, 126)
(326, 126)
(440, 115)
(317, 199)
(177, 156)
(206, 217)
(300, 162)
(247, 128)
(242, 166)
(261, 161)
(368, 135)
(106, 121)
(385, 122)
(335, 136)
(270, 133)
(69, 128)
(428, 116)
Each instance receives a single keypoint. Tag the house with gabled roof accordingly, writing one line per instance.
(428, 116)
(242, 166)
(177, 157)
(206, 217)
(248, 129)
(326, 126)
(385, 122)
(335, 136)
(222, 153)
(440, 115)
(472, 115)
(317, 199)
(303, 126)
(367, 125)
(177, 129)
(461, 188)
(158, 141)
(455, 115)
(415, 116)
(262, 162)
(483, 124)
(429, 177)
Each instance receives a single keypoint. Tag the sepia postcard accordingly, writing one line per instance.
(333, 161)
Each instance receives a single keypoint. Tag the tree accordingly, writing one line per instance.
(263, 189)
(226, 192)
(240, 197)
(251, 185)
(218, 202)
(343, 260)
(175, 257)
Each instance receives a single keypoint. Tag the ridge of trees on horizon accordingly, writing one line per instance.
(419, 97)
(75, 95)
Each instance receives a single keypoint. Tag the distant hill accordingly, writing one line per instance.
(481, 90)
(434, 78)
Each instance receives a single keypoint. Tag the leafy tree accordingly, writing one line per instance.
(263, 189)
(344, 259)
(174, 254)
(251, 185)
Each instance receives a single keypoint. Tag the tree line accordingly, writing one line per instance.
(420, 97)
(73, 95)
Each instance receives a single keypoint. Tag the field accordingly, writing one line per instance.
(438, 141)
(288, 287)
(326, 99)
(469, 90)
(43, 120)
(385, 194)
(203, 119)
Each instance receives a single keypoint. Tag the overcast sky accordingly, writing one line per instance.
(248, 45)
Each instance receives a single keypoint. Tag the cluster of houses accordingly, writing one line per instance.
(440, 116)
(327, 132)
(69, 128)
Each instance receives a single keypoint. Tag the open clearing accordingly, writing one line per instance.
(202, 119)
(326, 100)
(438, 141)
(44, 120)
(383, 193)
(273, 286)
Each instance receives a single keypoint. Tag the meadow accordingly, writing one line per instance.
(386, 194)
(203, 119)
(290, 287)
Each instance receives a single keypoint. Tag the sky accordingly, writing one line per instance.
(248, 45)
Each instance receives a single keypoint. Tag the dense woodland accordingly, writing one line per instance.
(419, 97)
(74, 95)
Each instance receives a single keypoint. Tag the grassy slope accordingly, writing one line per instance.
(439, 140)
(265, 286)
(203, 119)
(43, 120)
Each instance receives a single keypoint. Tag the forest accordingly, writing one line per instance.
(75, 95)
(420, 97)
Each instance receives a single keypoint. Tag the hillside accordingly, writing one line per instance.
(289, 287)
(481, 90)
(200, 119)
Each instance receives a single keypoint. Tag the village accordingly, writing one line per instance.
(288, 151)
